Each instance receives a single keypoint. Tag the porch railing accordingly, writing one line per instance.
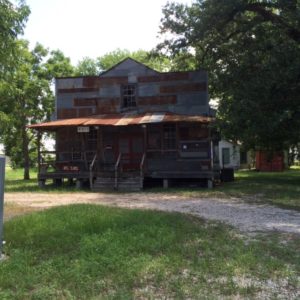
(142, 169)
(117, 166)
(64, 161)
(91, 168)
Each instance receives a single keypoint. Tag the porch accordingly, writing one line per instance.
(121, 157)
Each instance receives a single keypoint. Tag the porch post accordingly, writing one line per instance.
(39, 137)
(211, 180)
(144, 127)
(100, 151)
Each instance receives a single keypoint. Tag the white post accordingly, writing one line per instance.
(2, 175)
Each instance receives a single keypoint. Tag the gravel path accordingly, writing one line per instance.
(246, 217)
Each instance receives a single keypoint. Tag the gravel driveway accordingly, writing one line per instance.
(246, 217)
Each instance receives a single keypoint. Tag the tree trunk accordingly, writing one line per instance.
(25, 153)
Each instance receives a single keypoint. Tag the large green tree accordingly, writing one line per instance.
(251, 51)
(12, 21)
(26, 97)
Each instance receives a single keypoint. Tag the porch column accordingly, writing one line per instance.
(39, 137)
(100, 151)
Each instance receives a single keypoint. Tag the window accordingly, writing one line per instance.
(225, 156)
(128, 96)
(169, 136)
(193, 132)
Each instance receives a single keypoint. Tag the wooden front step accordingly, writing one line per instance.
(129, 184)
(103, 183)
(126, 182)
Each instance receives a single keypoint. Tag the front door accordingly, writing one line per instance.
(132, 148)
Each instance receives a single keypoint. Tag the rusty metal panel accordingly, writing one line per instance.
(188, 87)
(125, 119)
(85, 101)
(157, 100)
(76, 90)
(91, 81)
(108, 105)
(65, 113)
(84, 112)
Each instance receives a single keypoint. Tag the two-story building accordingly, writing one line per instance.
(129, 124)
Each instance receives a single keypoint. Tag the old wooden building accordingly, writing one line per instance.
(129, 124)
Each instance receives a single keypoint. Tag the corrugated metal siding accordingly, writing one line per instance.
(177, 92)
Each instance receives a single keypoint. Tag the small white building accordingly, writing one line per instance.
(229, 155)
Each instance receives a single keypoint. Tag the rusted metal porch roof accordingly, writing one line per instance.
(122, 120)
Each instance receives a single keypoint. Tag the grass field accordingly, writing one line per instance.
(93, 252)
(14, 183)
(280, 188)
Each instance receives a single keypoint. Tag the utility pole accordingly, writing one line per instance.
(2, 175)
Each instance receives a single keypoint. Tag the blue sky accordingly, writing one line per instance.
(94, 27)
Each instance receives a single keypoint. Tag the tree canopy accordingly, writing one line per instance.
(26, 97)
(251, 51)
(12, 21)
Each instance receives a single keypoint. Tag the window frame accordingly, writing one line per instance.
(128, 99)
(225, 162)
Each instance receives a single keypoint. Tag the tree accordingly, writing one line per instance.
(251, 51)
(89, 66)
(26, 97)
(12, 20)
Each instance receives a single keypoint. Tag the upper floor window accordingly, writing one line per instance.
(129, 96)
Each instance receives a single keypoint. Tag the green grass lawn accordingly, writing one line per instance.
(93, 252)
(14, 183)
(278, 188)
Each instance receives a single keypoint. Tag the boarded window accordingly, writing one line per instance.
(225, 156)
(128, 96)
(169, 136)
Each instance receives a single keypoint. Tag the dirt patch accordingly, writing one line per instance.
(245, 216)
